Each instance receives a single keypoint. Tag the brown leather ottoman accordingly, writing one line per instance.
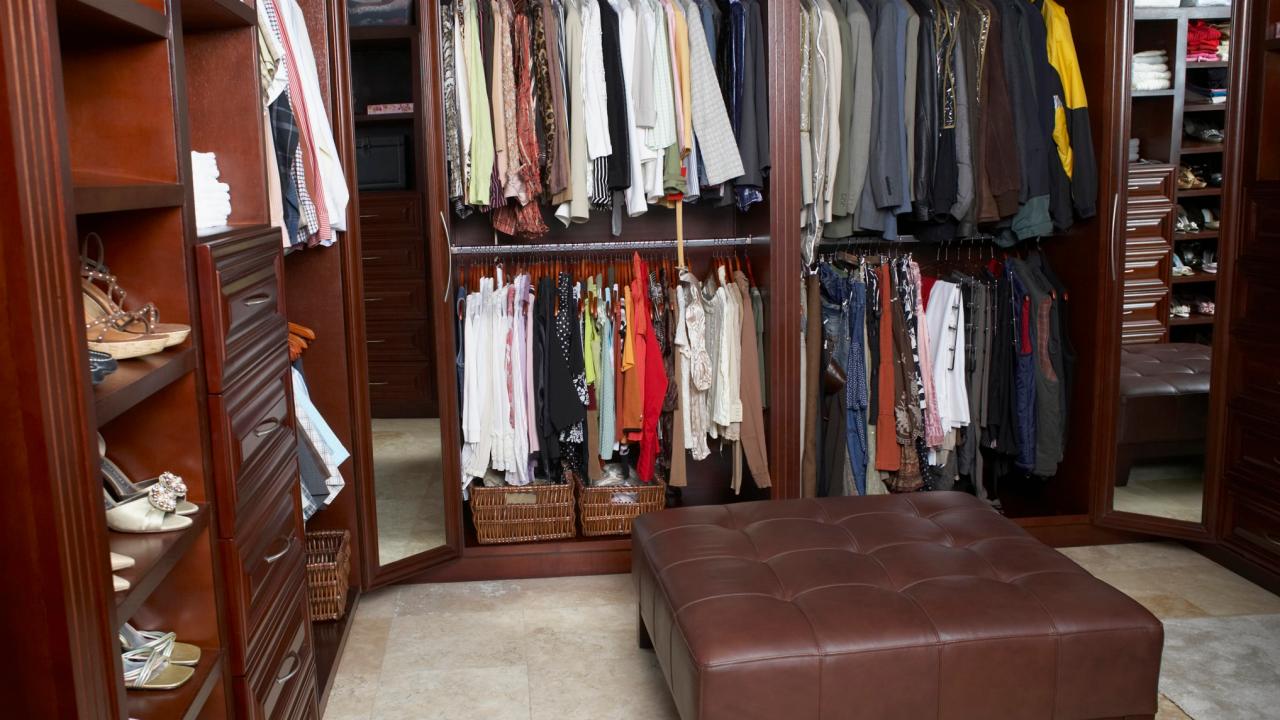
(1164, 404)
(918, 606)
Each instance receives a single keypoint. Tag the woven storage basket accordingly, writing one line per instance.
(610, 510)
(522, 514)
(328, 568)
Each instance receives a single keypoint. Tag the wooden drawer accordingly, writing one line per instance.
(395, 299)
(282, 669)
(390, 212)
(306, 700)
(1255, 527)
(401, 390)
(264, 568)
(242, 303)
(1148, 224)
(1258, 297)
(1142, 317)
(252, 429)
(394, 257)
(1261, 237)
(398, 342)
(1151, 181)
(1260, 375)
(1253, 450)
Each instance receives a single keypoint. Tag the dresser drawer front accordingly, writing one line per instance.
(253, 429)
(1259, 298)
(265, 567)
(395, 299)
(401, 390)
(396, 213)
(398, 342)
(398, 257)
(243, 309)
(282, 669)
(1253, 449)
(1150, 181)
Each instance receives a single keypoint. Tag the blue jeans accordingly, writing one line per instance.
(856, 372)
(1024, 372)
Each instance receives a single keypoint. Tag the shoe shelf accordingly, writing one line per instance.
(154, 555)
(94, 192)
(206, 15)
(1206, 64)
(121, 19)
(1200, 277)
(1192, 146)
(139, 379)
(1196, 103)
(1193, 320)
(1201, 235)
(183, 703)
(1202, 192)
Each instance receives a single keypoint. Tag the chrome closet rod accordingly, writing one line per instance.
(619, 245)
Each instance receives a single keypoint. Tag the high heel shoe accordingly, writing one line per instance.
(110, 301)
(120, 562)
(148, 669)
(149, 512)
(122, 488)
(119, 584)
(180, 653)
(104, 335)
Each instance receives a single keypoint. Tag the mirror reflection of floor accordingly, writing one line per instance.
(407, 482)
(1167, 490)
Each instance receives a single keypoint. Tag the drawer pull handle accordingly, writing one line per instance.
(258, 299)
(266, 427)
(373, 299)
(1129, 312)
(371, 258)
(297, 665)
(378, 384)
(1128, 271)
(368, 217)
(288, 544)
(375, 342)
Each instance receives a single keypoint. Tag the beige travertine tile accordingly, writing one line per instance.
(1213, 588)
(1135, 556)
(380, 603)
(630, 687)
(494, 693)
(504, 595)
(1168, 607)
(353, 693)
(1168, 710)
(585, 591)
(366, 645)
(560, 635)
(455, 641)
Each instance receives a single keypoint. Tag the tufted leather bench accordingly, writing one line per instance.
(1164, 404)
(919, 606)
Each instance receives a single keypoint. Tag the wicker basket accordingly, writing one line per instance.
(328, 568)
(522, 514)
(610, 510)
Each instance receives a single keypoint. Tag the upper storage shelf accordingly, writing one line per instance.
(122, 19)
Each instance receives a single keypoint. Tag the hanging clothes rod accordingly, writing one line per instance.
(615, 246)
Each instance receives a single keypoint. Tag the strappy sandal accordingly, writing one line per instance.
(105, 337)
(150, 669)
(1210, 219)
(101, 365)
(143, 321)
(1184, 223)
(149, 512)
(1188, 180)
(143, 641)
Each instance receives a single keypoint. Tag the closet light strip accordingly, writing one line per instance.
(620, 245)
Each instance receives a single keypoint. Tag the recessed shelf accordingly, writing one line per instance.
(1202, 192)
(201, 15)
(138, 379)
(383, 117)
(1198, 103)
(1192, 146)
(154, 555)
(111, 19)
(1152, 93)
(384, 32)
(211, 234)
(1203, 235)
(1213, 12)
(1207, 64)
(95, 192)
(184, 703)
(1199, 277)
(1193, 320)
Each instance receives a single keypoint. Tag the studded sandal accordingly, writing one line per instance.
(150, 669)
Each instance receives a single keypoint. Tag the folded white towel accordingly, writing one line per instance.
(1160, 55)
(1152, 75)
(1151, 84)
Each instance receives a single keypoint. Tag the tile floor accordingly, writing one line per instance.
(1170, 490)
(564, 648)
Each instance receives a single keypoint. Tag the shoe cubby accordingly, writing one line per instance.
(224, 113)
(1151, 124)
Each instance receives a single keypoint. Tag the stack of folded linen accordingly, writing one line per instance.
(1224, 44)
(1156, 3)
(1133, 150)
(1212, 86)
(212, 198)
(1151, 70)
(1202, 41)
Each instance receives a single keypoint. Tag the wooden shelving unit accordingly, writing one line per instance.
(1202, 192)
(204, 15)
(101, 193)
(139, 379)
(1194, 320)
(1197, 278)
(122, 19)
(154, 555)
